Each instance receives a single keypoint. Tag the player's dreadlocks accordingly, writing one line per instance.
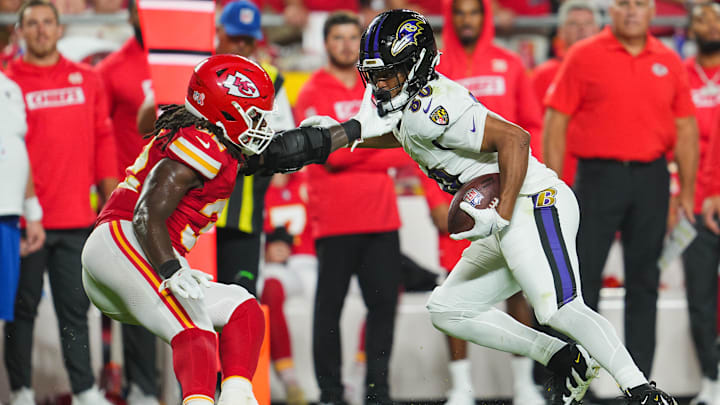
(175, 116)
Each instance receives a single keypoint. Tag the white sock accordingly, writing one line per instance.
(460, 375)
(595, 333)
(522, 368)
(198, 400)
(288, 376)
(236, 383)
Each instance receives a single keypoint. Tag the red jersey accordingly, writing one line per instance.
(622, 106)
(495, 76)
(449, 250)
(352, 193)
(527, 7)
(705, 92)
(126, 75)
(332, 5)
(198, 210)
(541, 78)
(69, 138)
(287, 206)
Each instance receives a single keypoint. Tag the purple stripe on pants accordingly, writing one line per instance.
(558, 251)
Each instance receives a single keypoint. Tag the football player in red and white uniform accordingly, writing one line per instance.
(134, 268)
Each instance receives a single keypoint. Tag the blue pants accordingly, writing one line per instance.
(9, 265)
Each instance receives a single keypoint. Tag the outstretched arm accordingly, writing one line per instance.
(291, 150)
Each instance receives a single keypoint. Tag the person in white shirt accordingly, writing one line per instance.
(17, 195)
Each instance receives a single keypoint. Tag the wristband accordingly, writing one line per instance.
(352, 130)
(32, 209)
(169, 268)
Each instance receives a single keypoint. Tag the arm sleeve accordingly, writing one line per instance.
(467, 132)
(106, 165)
(683, 105)
(564, 93)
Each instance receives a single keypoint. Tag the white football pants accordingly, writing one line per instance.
(536, 253)
(120, 281)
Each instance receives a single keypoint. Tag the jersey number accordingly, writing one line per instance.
(130, 182)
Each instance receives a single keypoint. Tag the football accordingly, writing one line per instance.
(481, 192)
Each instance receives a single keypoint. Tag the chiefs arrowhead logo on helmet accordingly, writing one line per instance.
(237, 96)
(240, 85)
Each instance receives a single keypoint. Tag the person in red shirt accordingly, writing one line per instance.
(622, 101)
(134, 269)
(365, 243)
(126, 76)
(495, 76)
(498, 79)
(577, 20)
(71, 149)
(702, 256)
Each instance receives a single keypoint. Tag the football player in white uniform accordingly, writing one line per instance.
(526, 242)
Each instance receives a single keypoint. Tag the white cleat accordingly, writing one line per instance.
(236, 391)
(460, 397)
(708, 394)
(92, 396)
(136, 396)
(23, 396)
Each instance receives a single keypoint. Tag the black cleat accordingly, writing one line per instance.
(573, 370)
(648, 394)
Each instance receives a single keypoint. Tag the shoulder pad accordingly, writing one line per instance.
(198, 149)
(436, 107)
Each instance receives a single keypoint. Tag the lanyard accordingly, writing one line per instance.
(711, 87)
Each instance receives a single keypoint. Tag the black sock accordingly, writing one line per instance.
(558, 363)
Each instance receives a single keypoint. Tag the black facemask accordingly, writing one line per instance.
(707, 46)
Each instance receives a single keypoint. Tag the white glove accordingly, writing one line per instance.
(322, 121)
(373, 125)
(187, 283)
(487, 222)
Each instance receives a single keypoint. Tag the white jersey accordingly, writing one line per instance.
(14, 163)
(442, 129)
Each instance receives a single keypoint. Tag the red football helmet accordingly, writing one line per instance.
(235, 94)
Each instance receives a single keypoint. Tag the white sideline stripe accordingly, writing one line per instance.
(174, 5)
(175, 59)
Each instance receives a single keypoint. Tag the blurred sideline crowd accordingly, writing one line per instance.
(626, 113)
